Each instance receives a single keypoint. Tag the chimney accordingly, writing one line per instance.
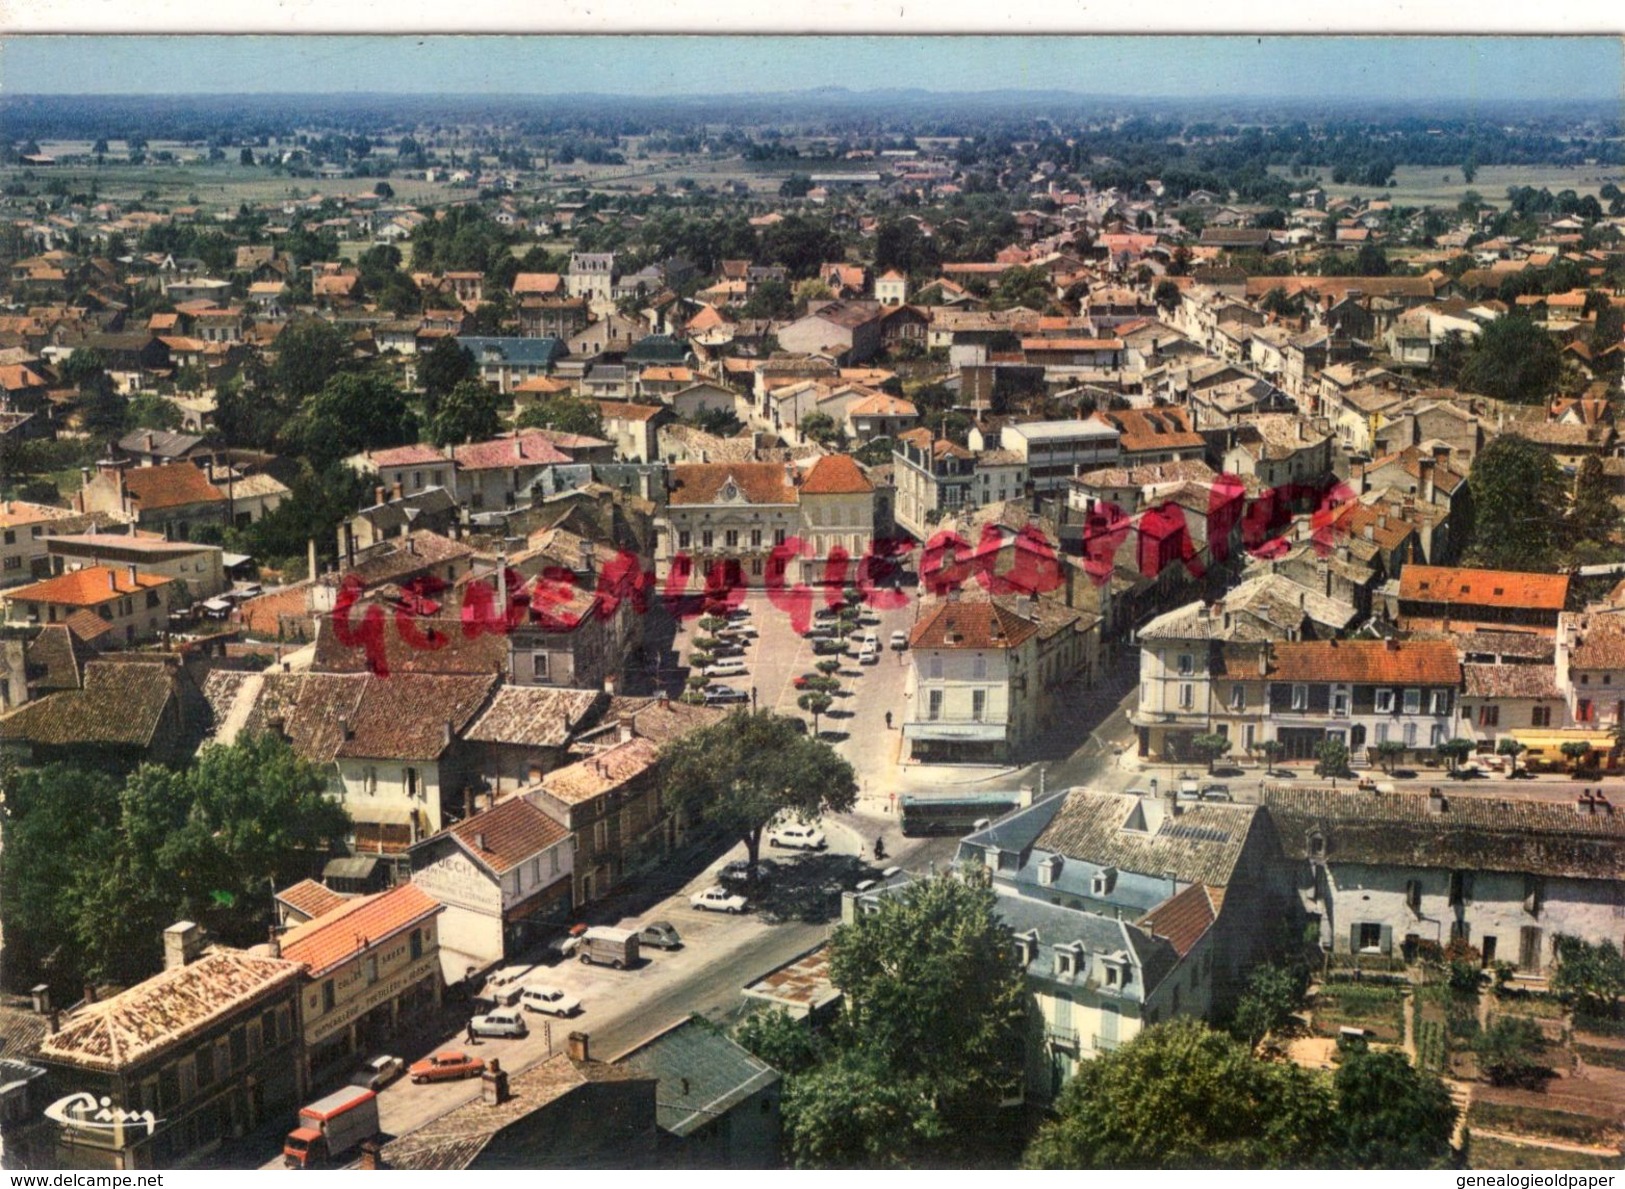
(112, 580)
(479, 840)
(41, 997)
(396, 490)
(274, 943)
(494, 1084)
(133, 583)
(468, 801)
(578, 1047)
(369, 1155)
(624, 731)
(609, 685)
(1436, 801)
(53, 1022)
(535, 774)
(1171, 797)
(446, 735)
(310, 558)
(183, 942)
(378, 494)
(1392, 644)
(344, 727)
(518, 446)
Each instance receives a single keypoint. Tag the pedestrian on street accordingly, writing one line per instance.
(888, 720)
(472, 1039)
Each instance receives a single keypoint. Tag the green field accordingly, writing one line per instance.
(1424, 185)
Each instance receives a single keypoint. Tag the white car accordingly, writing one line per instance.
(549, 1001)
(870, 654)
(504, 1021)
(726, 669)
(899, 640)
(378, 1072)
(718, 899)
(795, 836)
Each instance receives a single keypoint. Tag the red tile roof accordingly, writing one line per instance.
(337, 936)
(311, 899)
(170, 486)
(527, 449)
(1182, 919)
(974, 625)
(508, 834)
(88, 587)
(1368, 662)
(836, 474)
(758, 482)
(1483, 588)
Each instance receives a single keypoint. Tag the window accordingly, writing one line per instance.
(1540, 716)
(11, 536)
(370, 966)
(1413, 701)
(978, 666)
(1300, 697)
(933, 705)
(14, 563)
(239, 1046)
(755, 538)
(553, 861)
(538, 665)
(731, 538)
(1534, 894)
(1187, 695)
(1238, 697)
(1186, 666)
(1382, 732)
(1413, 895)
(1489, 716)
(417, 944)
(1410, 734)
(934, 666)
(1370, 937)
(706, 538)
(778, 536)
(978, 705)
(1111, 976)
(329, 996)
(409, 777)
(1441, 701)
(1340, 703)
(1436, 735)
(684, 538)
(369, 780)
(1582, 710)
(1461, 888)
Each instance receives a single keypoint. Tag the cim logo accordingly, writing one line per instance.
(87, 1112)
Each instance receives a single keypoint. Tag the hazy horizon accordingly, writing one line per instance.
(1381, 70)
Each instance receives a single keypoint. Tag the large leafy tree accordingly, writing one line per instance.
(1590, 974)
(1181, 1096)
(308, 354)
(1391, 1114)
(1029, 287)
(567, 414)
(855, 1112)
(750, 768)
(1517, 497)
(447, 365)
(1593, 516)
(468, 413)
(352, 412)
(1513, 359)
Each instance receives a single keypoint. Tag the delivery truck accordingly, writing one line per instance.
(604, 946)
(331, 1127)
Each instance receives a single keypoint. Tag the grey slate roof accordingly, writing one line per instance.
(702, 1075)
(540, 351)
(1202, 844)
(1473, 833)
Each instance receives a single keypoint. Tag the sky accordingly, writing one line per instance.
(1270, 67)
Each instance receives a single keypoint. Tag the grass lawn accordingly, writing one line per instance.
(1424, 185)
(1488, 1153)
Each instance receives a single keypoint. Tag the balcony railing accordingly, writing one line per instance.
(1104, 1044)
(1061, 1038)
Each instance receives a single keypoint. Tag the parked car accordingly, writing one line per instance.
(504, 1021)
(726, 646)
(899, 640)
(801, 681)
(446, 1067)
(566, 944)
(739, 872)
(550, 1001)
(604, 946)
(727, 668)
(737, 631)
(724, 695)
(718, 899)
(796, 836)
(870, 655)
(1191, 783)
(1216, 792)
(827, 646)
(378, 1072)
(661, 935)
(739, 612)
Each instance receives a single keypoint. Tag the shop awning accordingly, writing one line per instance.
(955, 732)
(1550, 743)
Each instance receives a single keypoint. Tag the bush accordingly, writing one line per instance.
(1510, 1052)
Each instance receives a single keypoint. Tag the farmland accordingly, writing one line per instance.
(1425, 185)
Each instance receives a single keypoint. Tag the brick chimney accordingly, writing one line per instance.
(369, 1156)
(494, 1084)
(40, 995)
(273, 943)
(183, 942)
(624, 730)
(578, 1047)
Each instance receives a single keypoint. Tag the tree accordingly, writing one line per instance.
(1506, 745)
(447, 365)
(816, 703)
(1272, 750)
(246, 157)
(1517, 496)
(1274, 993)
(384, 190)
(1455, 752)
(1390, 1114)
(83, 366)
(468, 413)
(1593, 516)
(1608, 329)
(772, 299)
(1371, 261)
(1167, 296)
(567, 414)
(933, 990)
(1182, 1096)
(740, 774)
(720, 422)
(810, 292)
(105, 414)
(1589, 975)
(353, 411)
(821, 428)
(1209, 747)
(854, 1112)
(1574, 751)
(1388, 753)
(1449, 357)
(1030, 287)
(1510, 1052)
(789, 1045)
(1513, 359)
(1332, 759)
(309, 353)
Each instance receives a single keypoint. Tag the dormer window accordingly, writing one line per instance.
(1104, 881)
(1049, 869)
(1066, 961)
(1111, 976)
(1027, 947)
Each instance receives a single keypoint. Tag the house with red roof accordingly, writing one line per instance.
(171, 499)
(371, 969)
(134, 605)
(973, 688)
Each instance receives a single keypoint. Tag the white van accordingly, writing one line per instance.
(505, 1021)
(795, 836)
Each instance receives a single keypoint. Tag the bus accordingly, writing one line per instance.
(955, 814)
